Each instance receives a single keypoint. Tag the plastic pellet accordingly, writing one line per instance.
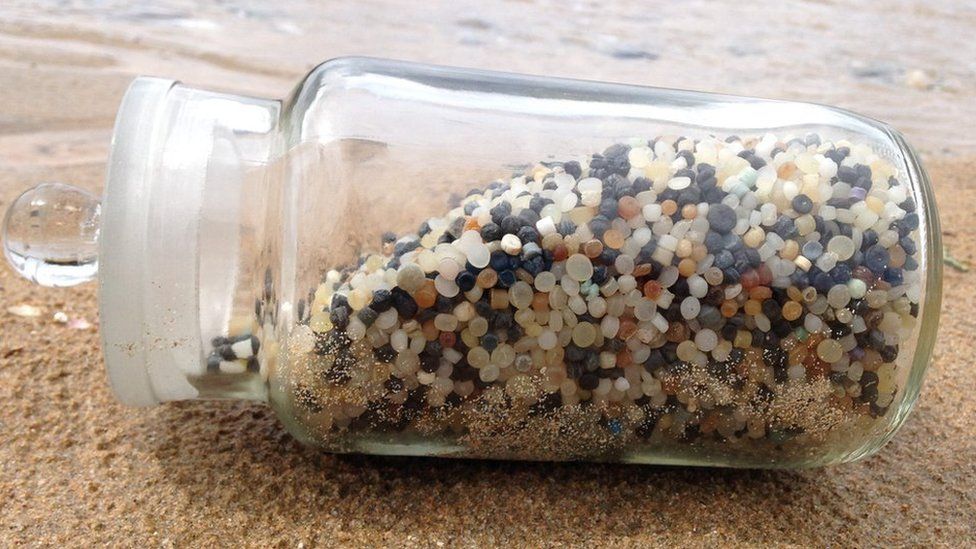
(829, 350)
(579, 267)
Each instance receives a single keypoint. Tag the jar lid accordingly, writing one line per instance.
(146, 300)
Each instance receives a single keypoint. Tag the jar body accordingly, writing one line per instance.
(469, 264)
(498, 266)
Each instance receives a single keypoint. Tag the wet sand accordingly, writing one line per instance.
(78, 469)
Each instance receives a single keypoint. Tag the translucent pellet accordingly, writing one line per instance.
(503, 355)
(690, 307)
(356, 330)
(841, 246)
(624, 264)
(584, 334)
(679, 183)
(706, 340)
(511, 244)
(669, 275)
(446, 322)
(826, 261)
(627, 283)
(478, 326)
(597, 307)
(762, 322)
(579, 267)
(479, 255)
(489, 373)
(577, 304)
(844, 315)
(857, 288)
(645, 309)
(521, 294)
(358, 299)
(876, 298)
(446, 286)
(687, 351)
(714, 276)
(812, 250)
(410, 277)
(545, 281)
(838, 296)
(697, 286)
(448, 268)
(548, 340)
(569, 285)
(523, 363)
(609, 326)
(812, 323)
(386, 320)
(829, 350)
(478, 357)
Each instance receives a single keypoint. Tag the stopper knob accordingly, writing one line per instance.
(50, 235)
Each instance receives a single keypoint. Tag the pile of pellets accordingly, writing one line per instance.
(722, 289)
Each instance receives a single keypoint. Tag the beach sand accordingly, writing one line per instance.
(78, 469)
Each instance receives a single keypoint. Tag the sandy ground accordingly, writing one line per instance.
(78, 469)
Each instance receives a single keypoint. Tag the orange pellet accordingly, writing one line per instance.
(794, 293)
(689, 211)
(687, 267)
(898, 257)
(669, 207)
(765, 275)
(871, 360)
(708, 423)
(652, 289)
(499, 299)
(560, 253)
(792, 310)
(643, 269)
(593, 248)
(790, 250)
(760, 293)
(429, 331)
(749, 279)
(627, 329)
(752, 307)
(677, 332)
(786, 170)
(624, 358)
(729, 308)
(540, 302)
(628, 207)
(426, 295)
(613, 239)
(447, 339)
(487, 278)
(472, 224)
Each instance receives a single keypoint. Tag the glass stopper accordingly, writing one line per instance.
(50, 235)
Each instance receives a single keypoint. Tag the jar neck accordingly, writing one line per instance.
(183, 243)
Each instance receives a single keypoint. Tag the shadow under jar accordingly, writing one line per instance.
(420, 260)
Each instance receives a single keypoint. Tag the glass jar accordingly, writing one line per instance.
(411, 259)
